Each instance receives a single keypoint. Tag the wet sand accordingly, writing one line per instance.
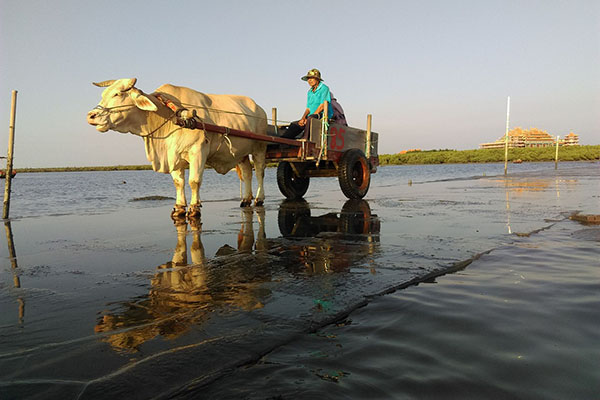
(124, 303)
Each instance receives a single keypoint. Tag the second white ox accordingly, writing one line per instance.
(171, 148)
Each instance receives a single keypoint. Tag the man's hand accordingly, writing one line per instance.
(302, 122)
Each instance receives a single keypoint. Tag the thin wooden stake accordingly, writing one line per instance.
(556, 155)
(369, 120)
(506, 137)
(9, 159)
(11, 252)
(274, 117)
(13, 261)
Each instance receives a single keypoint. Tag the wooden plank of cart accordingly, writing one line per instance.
(341, 151)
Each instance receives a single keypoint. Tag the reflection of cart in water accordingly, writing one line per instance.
(341, 240)
(295, 220)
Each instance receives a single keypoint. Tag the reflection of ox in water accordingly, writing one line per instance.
(171, 148)
(341, 240)
(183, 295)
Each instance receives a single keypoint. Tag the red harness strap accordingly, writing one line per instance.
(167, 103)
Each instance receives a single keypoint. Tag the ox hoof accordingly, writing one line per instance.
(259, 203)
(246, 203)
(179, 221)
(194, 211)
(195, 224)
(178, 212)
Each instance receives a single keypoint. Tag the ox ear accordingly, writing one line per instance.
(142, 102)
(104, 83)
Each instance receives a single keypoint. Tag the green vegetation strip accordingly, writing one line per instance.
(529, 154)
(83, 169)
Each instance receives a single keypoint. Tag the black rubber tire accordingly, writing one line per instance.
(354, 174)
(291, 186)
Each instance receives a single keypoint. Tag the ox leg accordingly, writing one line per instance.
(246, 234)
(197, 251)
(246, 169)
(261, 239)
(197, 163)
(180, 253)
(180, 203)
(259, 169)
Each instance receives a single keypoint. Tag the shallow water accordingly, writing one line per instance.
(107, 298)
(518, 323)
(84, 193)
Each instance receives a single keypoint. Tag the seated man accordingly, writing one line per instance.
(317, 95)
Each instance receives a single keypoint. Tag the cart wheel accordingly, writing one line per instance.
(354, 174)
(291, 185)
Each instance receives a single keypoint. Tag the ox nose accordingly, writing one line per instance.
(91, 116)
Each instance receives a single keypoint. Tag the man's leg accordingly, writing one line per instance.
(293, 131)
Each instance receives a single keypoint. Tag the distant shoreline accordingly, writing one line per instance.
(542, 154)
(526, 154)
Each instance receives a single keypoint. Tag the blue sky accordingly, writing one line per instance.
(434, 74)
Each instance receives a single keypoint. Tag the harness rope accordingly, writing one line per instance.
(116, 109)
(231, 112)
(324, 135)
(110, 110)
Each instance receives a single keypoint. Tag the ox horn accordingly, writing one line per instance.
(104, 83)
(129, 83)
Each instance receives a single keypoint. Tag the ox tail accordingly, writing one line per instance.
(238, 170)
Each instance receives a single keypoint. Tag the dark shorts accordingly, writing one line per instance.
(295, 131)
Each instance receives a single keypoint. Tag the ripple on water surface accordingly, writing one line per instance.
(520, 322)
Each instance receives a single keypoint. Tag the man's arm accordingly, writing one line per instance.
(302, 121)
(320, 108)
(325, 97)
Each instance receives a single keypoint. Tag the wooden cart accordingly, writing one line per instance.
(325, 150)
(348, 153)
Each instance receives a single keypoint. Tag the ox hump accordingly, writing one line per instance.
(185, 95)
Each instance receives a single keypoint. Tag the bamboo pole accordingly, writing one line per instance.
(11, 252)
(13, 261)
(369, 120)
(506, 136)
(9, 158)
(556, 155)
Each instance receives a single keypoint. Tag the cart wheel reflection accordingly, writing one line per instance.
(290, 212)
(355, 217)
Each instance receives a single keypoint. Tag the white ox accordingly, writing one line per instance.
(171, 148)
